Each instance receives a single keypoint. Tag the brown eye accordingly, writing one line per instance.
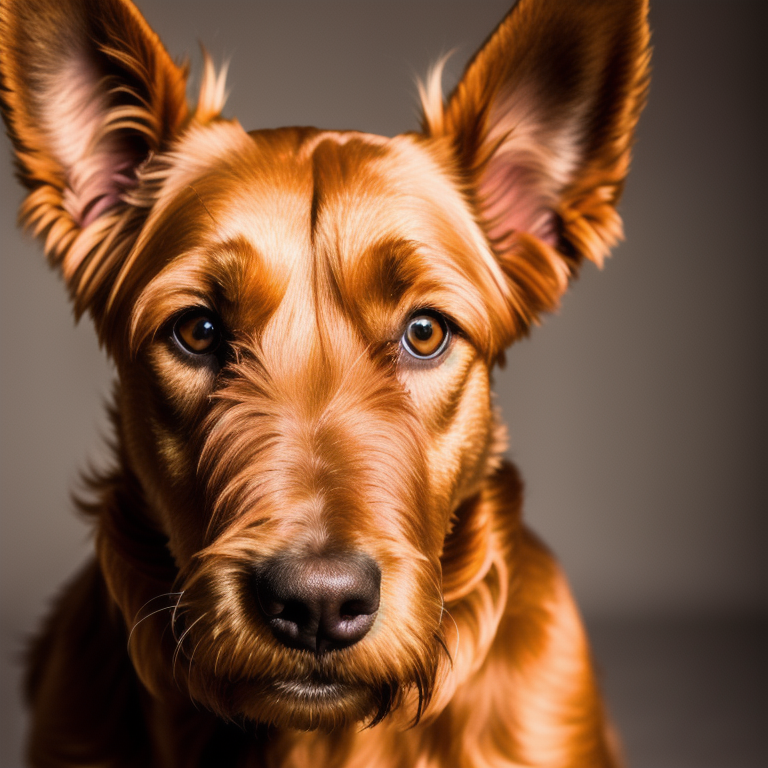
(197, 332)
(426, 336)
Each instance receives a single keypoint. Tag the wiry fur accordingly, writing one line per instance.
(313, 430)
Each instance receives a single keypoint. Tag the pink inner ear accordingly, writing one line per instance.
(97, 165)
(527, 172)
(512, 200)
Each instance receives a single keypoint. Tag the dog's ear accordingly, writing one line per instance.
(540, 129)
(88, 94)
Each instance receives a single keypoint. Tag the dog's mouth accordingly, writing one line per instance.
(335, 693)
(312, 690)
(308, 704)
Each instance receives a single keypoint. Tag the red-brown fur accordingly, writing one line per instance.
(315, 430)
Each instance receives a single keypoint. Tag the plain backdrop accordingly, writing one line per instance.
(637, 413)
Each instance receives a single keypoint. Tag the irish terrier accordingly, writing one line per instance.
(309, 551)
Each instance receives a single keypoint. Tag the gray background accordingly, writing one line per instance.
(637, 414)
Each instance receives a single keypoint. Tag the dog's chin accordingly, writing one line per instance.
(311, 705)
(302, 704)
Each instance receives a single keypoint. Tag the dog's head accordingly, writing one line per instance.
(304, 324)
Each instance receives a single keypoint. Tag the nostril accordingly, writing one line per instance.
(319, 603)
(295, 612)
(268, 604)
(360, 604)
(291, 610)
(353, 608)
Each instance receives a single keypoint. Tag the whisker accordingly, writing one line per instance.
(152, 600)
(137, 621)
(180, 642)
(144, 618)
(189, 666)
(174, 615)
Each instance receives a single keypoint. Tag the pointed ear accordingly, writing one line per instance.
(540, 129)
(88, 94)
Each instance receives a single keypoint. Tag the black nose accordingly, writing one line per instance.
(319, 603)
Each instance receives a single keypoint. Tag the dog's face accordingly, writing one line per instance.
(310, 383)
(304, 325)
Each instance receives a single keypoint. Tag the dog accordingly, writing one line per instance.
(310, 550)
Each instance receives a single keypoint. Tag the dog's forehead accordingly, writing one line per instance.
(300, 194)
(370, 217)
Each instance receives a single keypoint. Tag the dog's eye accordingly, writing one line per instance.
(426, 336)
(197, 332)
